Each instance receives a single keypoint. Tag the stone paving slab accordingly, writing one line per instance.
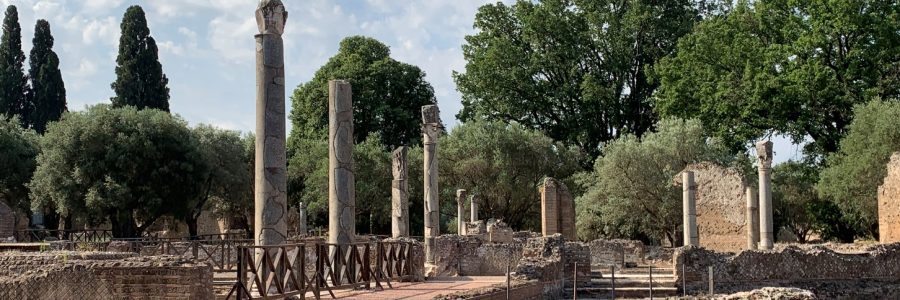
(422, 290)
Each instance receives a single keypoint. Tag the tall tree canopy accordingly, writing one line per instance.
(793, 67)
(130, 166)
(503, 166)
(18, 151)
(853, 174)
(13, 83)
(140, 81)
(574, 69)
(48, 92)
(387, 95)
(226, 187)
(631, 193)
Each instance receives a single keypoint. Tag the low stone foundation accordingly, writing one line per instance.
(616, 252)
(472, 256)
(76, 275)
(817, 268)
(551, 261)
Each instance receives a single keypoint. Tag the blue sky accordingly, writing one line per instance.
(207, 47)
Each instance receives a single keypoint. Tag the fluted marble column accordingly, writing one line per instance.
(270, 197)
(461, 212)
(341, 182)
(767, 234)
(431, 129)
(399, 194)
(752, 218)
(689, 199)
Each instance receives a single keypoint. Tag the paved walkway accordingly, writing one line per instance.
(422, 290)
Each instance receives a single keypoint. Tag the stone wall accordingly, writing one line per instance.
(473, 256)
(721, 206)
(616, 252)
(74, 275)
(552, 260)
(816, 268)
(889, 203)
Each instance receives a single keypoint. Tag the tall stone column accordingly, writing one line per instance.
(461, 212)
(767, 234)
(302, 229)
(549, 208)
(473, 207)
(689, 207)
(399, 194)
(270, 197)
(341, 182)
(431, 129)
(752, 218)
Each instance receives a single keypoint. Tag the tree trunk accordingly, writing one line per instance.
(192, 226)
(123, 224)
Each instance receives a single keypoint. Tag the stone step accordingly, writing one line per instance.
(635, 271)
(632, 283)
(625, 292)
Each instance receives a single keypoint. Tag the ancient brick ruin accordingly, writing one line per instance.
(720, 206)
(557, 209)
(889, 203)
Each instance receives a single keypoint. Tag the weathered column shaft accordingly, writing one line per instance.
(689, 202)
(752, 218)
(473, 207)
(767, 234)
(399, 194)
(431, 128)
(302, 229)
(341, 182)
(270, 197)
(461, 212)
(549, 208)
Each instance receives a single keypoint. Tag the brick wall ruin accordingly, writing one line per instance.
(473, 256)
(816, 268)
(621, 253)
(889, 203)
(74, 275)
(721, 206)
(550, 259)
(557, 209)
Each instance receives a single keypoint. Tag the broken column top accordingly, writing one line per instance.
(398, 166)
(764, 153)
(431, 114)
(460, 195)
(271, 16)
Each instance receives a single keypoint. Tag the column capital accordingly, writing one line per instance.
(764, 154)
(271, 16)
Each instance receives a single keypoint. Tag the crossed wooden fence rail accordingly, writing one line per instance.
(37, 235)
(280, 271)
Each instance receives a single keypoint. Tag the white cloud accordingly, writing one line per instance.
(105, 30)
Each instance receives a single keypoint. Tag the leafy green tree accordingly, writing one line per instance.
(140, 81)
(794, 193)
(308, 183)
(48, 92)
(631, 192)
(853, 174)
(793, 67)
(18, 151)
(226, 187)
(503, 166)
(13, 83)
(573, 69)
(130, 166)
(387, 95)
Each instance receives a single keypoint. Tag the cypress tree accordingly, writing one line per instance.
(48, 93)
(13, 83)
(140, 81)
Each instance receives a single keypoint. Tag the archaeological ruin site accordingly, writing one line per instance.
(347, 188)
